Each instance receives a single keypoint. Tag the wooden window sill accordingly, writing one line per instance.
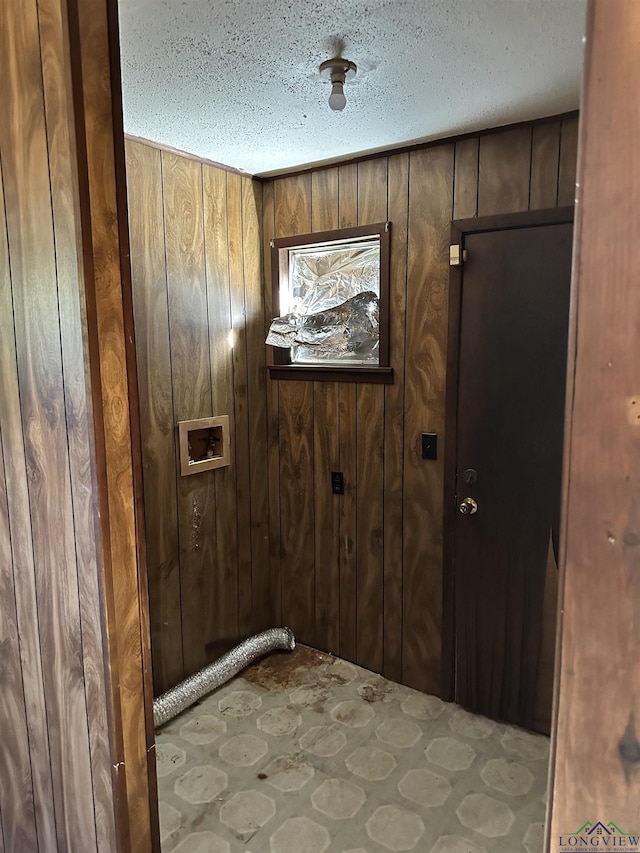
(313, 373)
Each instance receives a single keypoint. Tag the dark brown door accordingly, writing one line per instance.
(511, 385)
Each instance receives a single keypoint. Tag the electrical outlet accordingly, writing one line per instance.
(337, 482)
(429, 445)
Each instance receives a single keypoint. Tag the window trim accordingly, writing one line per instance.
(280, 365)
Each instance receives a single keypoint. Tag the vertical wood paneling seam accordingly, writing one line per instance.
(37, 613)
(213, 495)
(339, 462)
(135, 438)
(33, 555)
(230, 315)
(37, 620)
(313, 458)
(384, 421)
(233, 382)
(558, 170)
(206, 281)
(269, 284)
(404, 391)
(455, 170)
(64, 384)
(339, 469)
(65, 392)
(530, 168)
(4, 473)
(279, 560)
(113, 332)
(277, 436)
(173, 407)
(115, 710)
(313, 487)
(246, 362)
(19, 639)
(355, 502)
(477, 180)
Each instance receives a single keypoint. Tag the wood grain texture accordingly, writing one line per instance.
(325, 185)
(224, 571)
(19, 825)
(326, 444)
(241, 396)
(111, 340)
(598, 688)
(387, 487)
(398, 207)
(568, 161)
(16, 776)
(369, 522)
(57, 102)
(191, 382)
(430, 210)
(209, 252)
(273, 409)
(348, 198)
(293, 205)
(25, 592)
(504, 172)
(16, 475)
(324, 217)
(297, 546)
(297, 543)
(261, 604)
(465, 195)
(57, 99)
(372, 207)
(545, 153)
(67, 462)
(41, 380)
(347, 407)
(148, 269)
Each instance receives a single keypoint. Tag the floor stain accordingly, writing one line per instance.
(285, 670)
(374, 692)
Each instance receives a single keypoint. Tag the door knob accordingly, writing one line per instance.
(468, 506)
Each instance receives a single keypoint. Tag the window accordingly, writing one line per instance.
(331, 301)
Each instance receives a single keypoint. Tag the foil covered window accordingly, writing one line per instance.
(331, 294)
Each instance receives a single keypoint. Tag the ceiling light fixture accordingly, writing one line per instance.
(338, 70)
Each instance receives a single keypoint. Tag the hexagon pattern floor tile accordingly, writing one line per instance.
(306, 753)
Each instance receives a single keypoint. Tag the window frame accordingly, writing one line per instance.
(280, 365)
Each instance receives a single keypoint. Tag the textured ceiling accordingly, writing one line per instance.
(237, 81)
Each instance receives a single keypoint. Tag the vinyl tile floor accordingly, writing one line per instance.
(306, 753)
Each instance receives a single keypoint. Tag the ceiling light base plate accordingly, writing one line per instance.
(338, 69)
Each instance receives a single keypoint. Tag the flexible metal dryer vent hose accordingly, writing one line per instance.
(183, 695)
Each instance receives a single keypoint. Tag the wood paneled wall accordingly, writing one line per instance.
(196, 264)
(234, 550)
(360, 575)
(74, 771)
(597, 720)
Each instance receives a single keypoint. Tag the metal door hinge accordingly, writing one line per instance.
(457, 255)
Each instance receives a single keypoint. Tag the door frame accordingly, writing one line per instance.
(460, 230)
